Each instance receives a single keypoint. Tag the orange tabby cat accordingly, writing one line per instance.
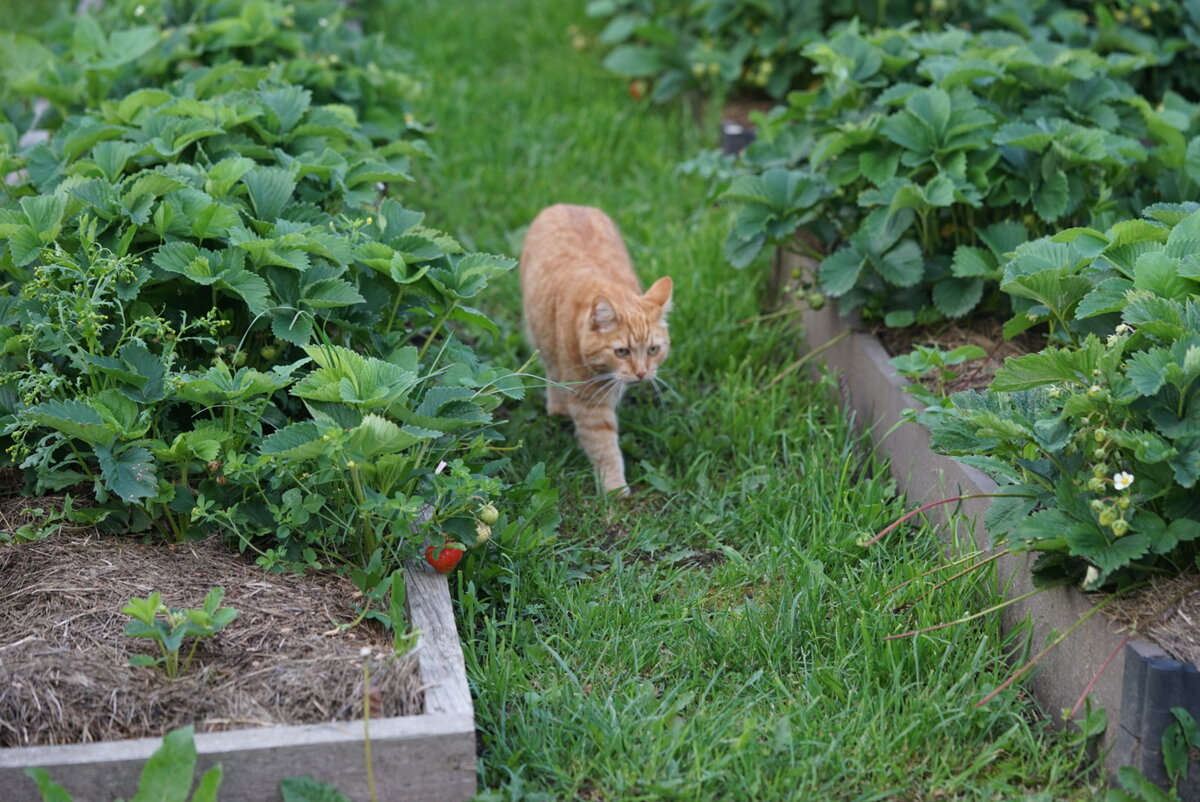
(596, 331)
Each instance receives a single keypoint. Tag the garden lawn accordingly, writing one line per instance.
(720, 634)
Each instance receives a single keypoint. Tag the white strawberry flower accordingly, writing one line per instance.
(1122, 480)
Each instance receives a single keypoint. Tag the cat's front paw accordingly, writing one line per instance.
(620, 491)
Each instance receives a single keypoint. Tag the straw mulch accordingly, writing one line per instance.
(64, 659)
(1167, 613)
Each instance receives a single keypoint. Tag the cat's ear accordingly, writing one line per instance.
(659, 293)
(604, 317)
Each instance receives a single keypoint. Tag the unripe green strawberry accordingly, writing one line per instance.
(488, 514)
(816, 300)
(1120, 527)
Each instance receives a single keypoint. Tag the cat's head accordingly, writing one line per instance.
(628, 337)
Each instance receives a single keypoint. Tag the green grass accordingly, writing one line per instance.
(720, 635)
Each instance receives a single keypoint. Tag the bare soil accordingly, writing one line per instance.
(738, 110)
(64, 659)
(984, 331)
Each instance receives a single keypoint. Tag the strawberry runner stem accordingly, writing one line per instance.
(799, 363)
(880, 534)
(1049, 647)
(965, 571)
(1133, 631)
(972, 616)
(1087, 689)
(936, 570)
(370, 765)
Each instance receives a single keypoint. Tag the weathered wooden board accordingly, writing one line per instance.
(422, 758)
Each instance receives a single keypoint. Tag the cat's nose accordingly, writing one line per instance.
(641, 372)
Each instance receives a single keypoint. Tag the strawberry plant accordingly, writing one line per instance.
(721, 46)
(169, 627)
(929, 369)
(925, 158)
(127, 45)
(1097, 441)
(707, 45)
(195, 236)
(97, 394)
(169, 773)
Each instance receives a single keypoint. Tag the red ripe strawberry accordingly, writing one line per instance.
(443, 558)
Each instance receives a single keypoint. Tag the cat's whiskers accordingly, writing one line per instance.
(598, 387)
(613, 389)
(654, 382)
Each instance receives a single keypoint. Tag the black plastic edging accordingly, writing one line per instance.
(1153, 684)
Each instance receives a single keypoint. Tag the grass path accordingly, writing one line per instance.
(720, 636)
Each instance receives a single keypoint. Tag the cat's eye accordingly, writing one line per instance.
(621, 352)
(652, 350)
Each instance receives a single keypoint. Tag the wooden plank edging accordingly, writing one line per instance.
(422, 758)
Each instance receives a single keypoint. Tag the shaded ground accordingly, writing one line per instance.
(64, 659)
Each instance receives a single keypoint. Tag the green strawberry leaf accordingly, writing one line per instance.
(838, 273)
(130, 473)
(270, 189)
(167, 775)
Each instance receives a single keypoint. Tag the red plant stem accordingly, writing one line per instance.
(1021, 671)
(965, 571)
(1096, 677)
(970, 617)
(1132, 633)
(931, 571)
(931, 505)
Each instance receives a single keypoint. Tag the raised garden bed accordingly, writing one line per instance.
(426, 755)
(1139, 685)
